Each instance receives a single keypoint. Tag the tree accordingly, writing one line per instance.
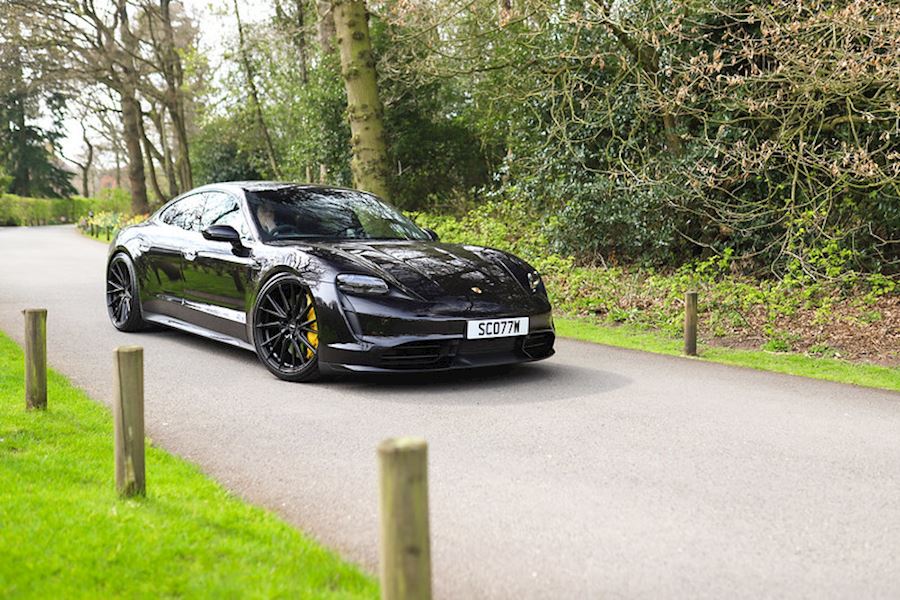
(370, 164)
(247, 65)
(27, 148)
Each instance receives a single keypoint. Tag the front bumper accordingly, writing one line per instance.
(388, 336)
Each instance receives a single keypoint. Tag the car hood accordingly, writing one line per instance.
(435, 270)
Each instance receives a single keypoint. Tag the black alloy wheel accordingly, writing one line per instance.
(122, 300)
(285, 330)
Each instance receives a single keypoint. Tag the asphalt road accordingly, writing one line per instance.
(599, 473)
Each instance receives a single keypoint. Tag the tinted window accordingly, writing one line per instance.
(185, 213)
(222, 209)
(296, 212)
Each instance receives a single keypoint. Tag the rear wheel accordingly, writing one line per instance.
(285, 329)
(122, 300)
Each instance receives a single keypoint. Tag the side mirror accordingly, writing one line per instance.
(432, 234)
(224, 233)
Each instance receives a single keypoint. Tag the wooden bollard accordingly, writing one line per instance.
(35, 358)
(405, 540)
(690, 323)
(128, 415)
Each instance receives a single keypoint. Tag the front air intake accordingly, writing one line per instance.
(416, 355)
(538, 345)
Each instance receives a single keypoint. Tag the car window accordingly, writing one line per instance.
(185, 213)
(292, 212)
(222, 209)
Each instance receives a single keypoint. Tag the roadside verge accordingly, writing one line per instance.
(64, 531)
(780, 362)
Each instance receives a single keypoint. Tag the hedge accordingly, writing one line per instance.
(16, 210)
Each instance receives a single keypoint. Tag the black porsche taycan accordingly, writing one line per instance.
(314, 278)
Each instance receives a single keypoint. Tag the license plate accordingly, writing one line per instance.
(491, 328)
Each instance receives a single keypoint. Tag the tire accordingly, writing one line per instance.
(123, 300)
(285, 329)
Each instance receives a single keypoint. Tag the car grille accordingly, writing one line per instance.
(416, 355)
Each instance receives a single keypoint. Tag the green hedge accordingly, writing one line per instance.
(16, 210)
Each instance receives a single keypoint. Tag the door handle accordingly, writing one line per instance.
(189, 254)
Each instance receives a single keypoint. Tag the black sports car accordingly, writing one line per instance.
(315, 278)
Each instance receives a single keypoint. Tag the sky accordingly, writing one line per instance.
(216, 22)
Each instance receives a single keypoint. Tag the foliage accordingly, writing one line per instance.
(187, 538)
(105, 224)
(788, 314)
(636, 132)
(663, 132)
(5, 180)
(220, 151)
(16, 210)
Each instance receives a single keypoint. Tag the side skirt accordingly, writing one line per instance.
(197, 330)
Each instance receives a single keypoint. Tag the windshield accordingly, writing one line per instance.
(296, 213)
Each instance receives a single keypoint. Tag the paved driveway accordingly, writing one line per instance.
(599, 473)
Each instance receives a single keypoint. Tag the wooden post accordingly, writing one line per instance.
(690, 323)
(405, 541)
(128, 416)
(35, 358)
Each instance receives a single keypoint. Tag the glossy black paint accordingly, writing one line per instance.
(208, 284)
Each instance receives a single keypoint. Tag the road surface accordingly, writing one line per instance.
(600, 473)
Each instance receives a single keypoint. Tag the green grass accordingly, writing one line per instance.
(99, 236)
(793, 364)
(64, 533)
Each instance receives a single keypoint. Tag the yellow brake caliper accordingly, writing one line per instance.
(312, 336)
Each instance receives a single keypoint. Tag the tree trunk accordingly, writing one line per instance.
(370, 163)
(325, 26)
(647, 59)
(254, 96)
(166, 161)
(118, 168)
(131, 114)
(174, 76)
(88, 161)
(149, 152)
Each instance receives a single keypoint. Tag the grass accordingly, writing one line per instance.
(99, 236)
(64, 532)
(793, 364)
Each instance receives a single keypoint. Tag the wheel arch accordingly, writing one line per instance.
(278, 271)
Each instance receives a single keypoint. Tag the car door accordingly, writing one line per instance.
(175, 234)
(217, 278)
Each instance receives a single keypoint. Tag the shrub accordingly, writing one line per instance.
(16, 210)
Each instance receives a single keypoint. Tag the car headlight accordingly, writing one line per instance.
(534, 281)
(361, 284)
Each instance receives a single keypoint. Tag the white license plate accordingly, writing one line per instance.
(491, 328)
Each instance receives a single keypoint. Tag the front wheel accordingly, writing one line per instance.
(285, 329)
(122, 300)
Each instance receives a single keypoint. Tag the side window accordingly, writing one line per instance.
(168, 215)
(222, 209)
(185, 213)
